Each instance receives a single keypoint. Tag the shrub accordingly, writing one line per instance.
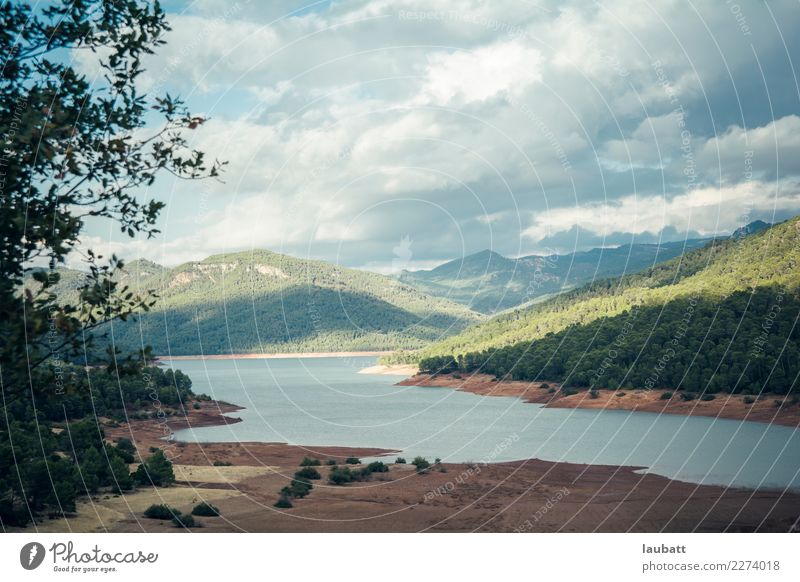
(593, 393)
(377, 467)
(340, 476)
(748, 399)
(400, 461)
(666, 395)
(352, 461)
(707, 397)
(778, 403)
(551, 390)
(156, 470)
(298, 488)
(160, 512)
(310, 462)
(330, 462)
(421, 464)
(184, 521)
(307, 473)
(283, 502)
(568, 391)
(126, 449)
(196, 406)
(688, 396)
(205, 509)
(619, 394)
(544, 386)
(222, 463)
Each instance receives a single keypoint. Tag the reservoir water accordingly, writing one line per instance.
(324, 401)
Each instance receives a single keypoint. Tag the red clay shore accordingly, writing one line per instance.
(522, 496)
(764, 409)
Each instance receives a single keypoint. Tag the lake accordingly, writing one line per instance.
(324, 401)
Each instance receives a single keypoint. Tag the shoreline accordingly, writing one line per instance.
(728, 406)
(277, 356)
(244, 479)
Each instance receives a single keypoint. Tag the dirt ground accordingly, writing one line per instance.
(523, 496)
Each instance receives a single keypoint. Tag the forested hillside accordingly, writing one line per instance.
(489, 282)
(721, 318)
(260, 300)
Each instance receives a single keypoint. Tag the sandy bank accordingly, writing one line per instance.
(391, 370)
(764, 409)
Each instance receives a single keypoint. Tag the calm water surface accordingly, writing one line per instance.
(324, 401)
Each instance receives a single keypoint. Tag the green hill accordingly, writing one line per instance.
(489, 283)
(720, 318)
(260, 300)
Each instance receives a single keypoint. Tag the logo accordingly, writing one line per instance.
(31, 555)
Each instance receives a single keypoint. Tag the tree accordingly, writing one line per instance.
(156, 470)
(73, 149)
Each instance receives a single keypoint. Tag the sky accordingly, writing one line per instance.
(385, 135)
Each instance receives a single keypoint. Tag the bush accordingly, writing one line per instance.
(666, 395)
(568, 391)
(156, 470)
(748, 399)
(377, 467)
(544, 386)
(126, 449)
(551, 390)
(400, 461)
(160, 512)
(298, 488)
(340, 476)
(310, 462)
(421, 464)
(205, 509)
(283, 502)
(688, 396)
(352, 461)
(307, 473)
(196, 406)
(593, 393)
(222, 463)
(184, 521)
(707, 397)
(330, 462)
(619, 394)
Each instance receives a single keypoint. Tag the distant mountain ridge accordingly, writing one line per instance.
(489, 282)
(264, 301)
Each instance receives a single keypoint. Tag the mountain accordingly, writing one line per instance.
(260, 300)
(719, 318)
(751, 228)
(488, 282)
